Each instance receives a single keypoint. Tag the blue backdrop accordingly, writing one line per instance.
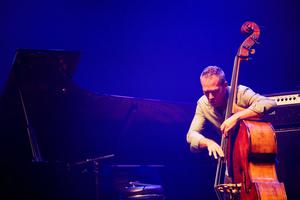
(156, 49)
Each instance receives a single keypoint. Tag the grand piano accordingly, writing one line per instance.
(51, 129)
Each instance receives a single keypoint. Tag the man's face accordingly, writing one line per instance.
(214, 90)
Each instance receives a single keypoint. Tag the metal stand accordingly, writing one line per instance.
(96, 165)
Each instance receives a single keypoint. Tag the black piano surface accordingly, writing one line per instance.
(68, 124)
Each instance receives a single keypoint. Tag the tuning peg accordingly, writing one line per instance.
(252, 51)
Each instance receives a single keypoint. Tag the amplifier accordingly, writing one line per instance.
(287, 112)
(286, 122)
(287, 98)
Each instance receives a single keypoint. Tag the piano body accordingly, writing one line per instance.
(48, 123)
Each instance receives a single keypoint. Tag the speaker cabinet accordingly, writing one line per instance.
(288, 156)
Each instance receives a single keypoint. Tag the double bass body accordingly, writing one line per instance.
(253, 162)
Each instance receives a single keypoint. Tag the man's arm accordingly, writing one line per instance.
(194, 136)
(255, 107)
(198, 141)
(229, 123)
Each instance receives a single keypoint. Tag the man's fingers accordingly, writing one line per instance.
(222, 128)
(215, 150)
(225, 132)
(215, 154)
(209, 152)
(220, 152)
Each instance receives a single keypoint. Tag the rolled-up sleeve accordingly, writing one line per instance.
(247, 98)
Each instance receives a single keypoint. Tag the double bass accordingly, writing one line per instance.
(250, 149)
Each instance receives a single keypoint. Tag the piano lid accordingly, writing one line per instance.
(72, 123)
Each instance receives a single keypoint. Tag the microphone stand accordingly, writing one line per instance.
(95, 162)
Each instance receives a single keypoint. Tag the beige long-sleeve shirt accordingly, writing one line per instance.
(246, 98)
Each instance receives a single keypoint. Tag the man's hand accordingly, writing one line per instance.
(228, 124)
(212, 147)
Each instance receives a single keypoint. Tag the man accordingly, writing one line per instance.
(211, 107)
